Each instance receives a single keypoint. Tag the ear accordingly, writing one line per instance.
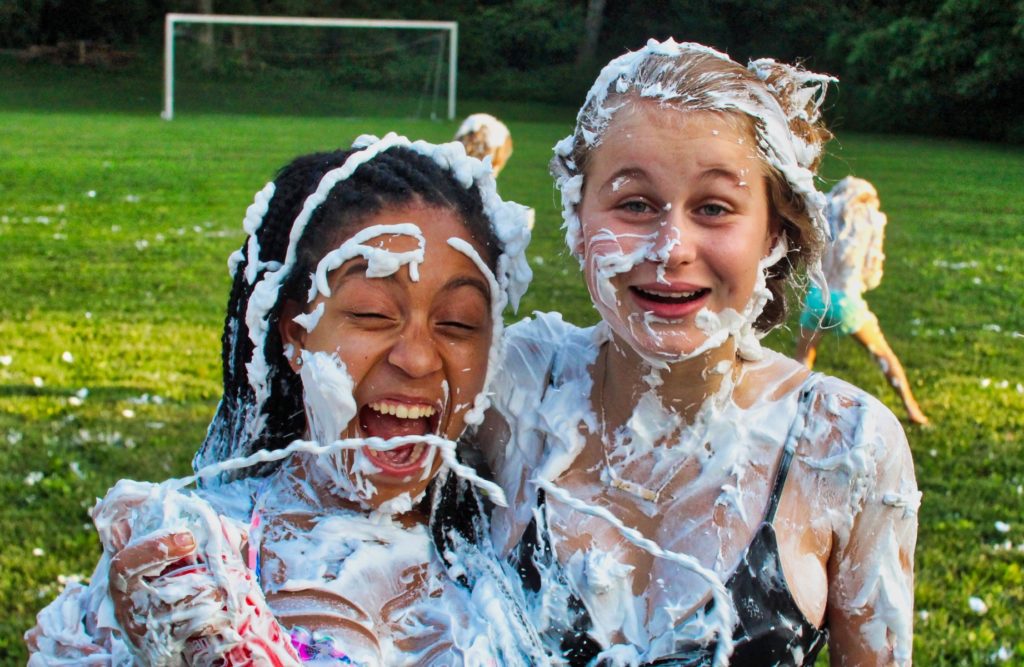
(292, 333)
(775, 231)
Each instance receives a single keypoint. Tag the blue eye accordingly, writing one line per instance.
(636, 206)
(712, 210)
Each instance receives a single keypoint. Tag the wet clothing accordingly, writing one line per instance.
(771, 630)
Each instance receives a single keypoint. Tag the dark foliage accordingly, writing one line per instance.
(948, 67)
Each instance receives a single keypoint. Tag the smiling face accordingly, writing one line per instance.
(675, 220)
(416, 350)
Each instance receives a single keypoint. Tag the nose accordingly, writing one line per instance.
(675, 244)
(416, 354)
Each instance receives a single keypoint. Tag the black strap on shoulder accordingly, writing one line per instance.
(796, 429)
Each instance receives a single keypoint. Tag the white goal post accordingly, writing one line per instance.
(173, 18)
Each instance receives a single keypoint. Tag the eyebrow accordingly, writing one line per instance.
(720, 172)
(359, 268)
(626, 172)
(468, 281)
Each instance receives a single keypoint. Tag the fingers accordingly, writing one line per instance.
(160, 582)
(147, 557)
(152, 555)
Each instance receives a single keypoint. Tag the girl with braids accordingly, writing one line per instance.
(679, 495)
(358, 345)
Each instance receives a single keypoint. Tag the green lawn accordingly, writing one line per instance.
(115, 228)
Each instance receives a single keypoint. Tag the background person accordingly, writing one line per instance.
(852, 264)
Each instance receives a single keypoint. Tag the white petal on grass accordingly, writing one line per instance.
(91, 194)
(1002, 527)
(38, 551)
(67, 357)
(38, 381)
(6, 360)
(128, 413)
(33, 478)
(977, 605)
(1002, 655)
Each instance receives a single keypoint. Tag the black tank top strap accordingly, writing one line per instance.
(796, 429)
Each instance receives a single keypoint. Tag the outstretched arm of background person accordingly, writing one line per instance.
(871, 570)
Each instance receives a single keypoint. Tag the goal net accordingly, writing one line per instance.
(309, 66)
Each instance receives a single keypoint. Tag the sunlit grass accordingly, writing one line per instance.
(115, 229)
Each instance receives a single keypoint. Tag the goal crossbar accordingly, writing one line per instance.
(174, 18)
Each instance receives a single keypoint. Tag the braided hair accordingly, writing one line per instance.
(396, 176)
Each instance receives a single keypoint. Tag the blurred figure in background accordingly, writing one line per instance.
(484, 135)
(852, 264)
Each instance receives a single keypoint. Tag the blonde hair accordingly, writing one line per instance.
(779, 105)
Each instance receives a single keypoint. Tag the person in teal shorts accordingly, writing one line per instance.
(852, 265)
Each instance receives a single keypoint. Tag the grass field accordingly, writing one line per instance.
(115, 228)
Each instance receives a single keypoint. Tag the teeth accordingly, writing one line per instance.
(671, 295)
(402, 410)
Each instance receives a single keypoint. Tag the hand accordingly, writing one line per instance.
(162, 592)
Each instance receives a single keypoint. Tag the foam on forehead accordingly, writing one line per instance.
(648, 73)
(507, 219)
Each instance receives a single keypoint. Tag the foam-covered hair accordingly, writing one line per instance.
(262, 403)
(783, 103)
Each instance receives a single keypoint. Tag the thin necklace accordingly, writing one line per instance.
(632, 488)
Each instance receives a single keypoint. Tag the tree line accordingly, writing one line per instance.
(938, 67)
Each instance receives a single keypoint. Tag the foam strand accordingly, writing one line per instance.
(508, 219)
(723, 607)
(498, 300)
(251, 223)
(381, 262)
(445, 446)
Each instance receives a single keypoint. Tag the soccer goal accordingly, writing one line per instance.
(406, 55)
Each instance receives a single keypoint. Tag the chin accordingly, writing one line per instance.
(662, 342)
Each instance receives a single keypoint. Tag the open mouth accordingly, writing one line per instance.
(395, 419)
(669, 304)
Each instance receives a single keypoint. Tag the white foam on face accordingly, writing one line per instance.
(508, 220)
(776, 143)
(381, 262)
(307, 321)
(498, 300)
(606, 258)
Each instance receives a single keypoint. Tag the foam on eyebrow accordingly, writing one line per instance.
(381, 262)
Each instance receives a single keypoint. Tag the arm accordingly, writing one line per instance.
(871, 569)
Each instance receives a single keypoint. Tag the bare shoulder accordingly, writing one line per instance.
(855, 452)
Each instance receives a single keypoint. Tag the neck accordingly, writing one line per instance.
(622, 377)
